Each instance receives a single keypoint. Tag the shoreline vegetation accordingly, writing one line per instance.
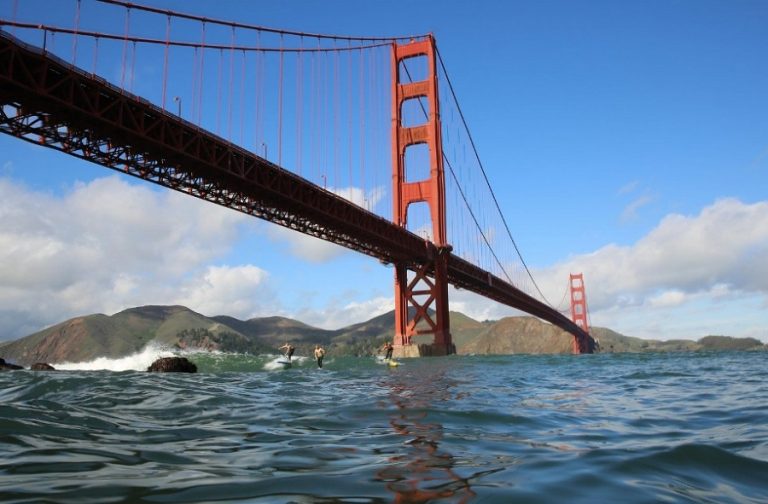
(177, 327)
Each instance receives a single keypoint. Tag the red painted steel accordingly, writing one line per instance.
(48, 102)
(421, 303)
(578, 307)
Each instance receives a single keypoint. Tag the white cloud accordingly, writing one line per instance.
(236, 291)
(477, 307)
(108, 245)
(630, 211)
(667, 298)
(628, 188)
(718, 255)
(724, 246)
(305, 247)
(104, 246)
(336, 314)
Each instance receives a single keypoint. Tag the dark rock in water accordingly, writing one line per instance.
(5, 366)
(172, 365)
(42, 366)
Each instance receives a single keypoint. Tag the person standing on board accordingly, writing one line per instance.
(388, 348)
(319, 354)
(289, 349)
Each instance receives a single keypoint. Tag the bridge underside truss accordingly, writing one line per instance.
(48, 102)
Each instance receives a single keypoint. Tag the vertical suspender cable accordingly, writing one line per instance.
(374, 124)
(14, 12)
(125, 47)
(95, 56)
(299, 103)
(74, 36)
(349, 111)
(280, 109)
(219, 84)
(133, 64)
(320, 128)
(257, 99)
(362, 118)
(313, 84)
(241, 108)
(195, 84)
(336, 126)
(231, 84)
(165, 58)
(202, 78)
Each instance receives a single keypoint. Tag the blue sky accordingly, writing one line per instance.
(625, 140)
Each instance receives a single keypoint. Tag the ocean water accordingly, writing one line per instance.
(536, 429)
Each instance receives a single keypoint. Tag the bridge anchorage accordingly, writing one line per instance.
(48, 100)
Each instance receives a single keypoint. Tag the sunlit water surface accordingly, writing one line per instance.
(687, 427)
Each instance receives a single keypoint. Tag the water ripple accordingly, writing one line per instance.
(643, 428)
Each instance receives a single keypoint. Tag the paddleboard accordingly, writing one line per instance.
(393, 363)
(284, 362)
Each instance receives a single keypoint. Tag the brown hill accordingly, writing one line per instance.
(86, 338)
(513, 335)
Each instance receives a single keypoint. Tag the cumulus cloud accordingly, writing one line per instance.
(336, 313)
(236, 291)
(725, 245)
(104, 246)
(107, 245)
(305, 247)
(478, 307)
(668, 298)
(691, 276)
(719, 254)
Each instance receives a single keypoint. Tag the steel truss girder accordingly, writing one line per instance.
(49, 102)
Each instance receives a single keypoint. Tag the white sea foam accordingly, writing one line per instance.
(139, 361)
(274, 364)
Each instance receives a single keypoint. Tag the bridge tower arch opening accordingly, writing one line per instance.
(421, 290)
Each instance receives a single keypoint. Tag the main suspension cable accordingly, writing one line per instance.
(177, 43)
(155, 10)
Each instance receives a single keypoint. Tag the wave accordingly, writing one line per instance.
(207, 361)
(138, 361)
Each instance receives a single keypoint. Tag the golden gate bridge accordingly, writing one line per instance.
(359, 141)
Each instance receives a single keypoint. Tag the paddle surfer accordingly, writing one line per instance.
(289, 349)
(388, 348)
(319, 354)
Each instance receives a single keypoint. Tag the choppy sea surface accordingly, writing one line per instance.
(688, 427)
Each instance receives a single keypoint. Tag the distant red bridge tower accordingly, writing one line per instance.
(421, 303)
(578, 306)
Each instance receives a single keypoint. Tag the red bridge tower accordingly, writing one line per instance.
(578, 306)
(428, 288)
